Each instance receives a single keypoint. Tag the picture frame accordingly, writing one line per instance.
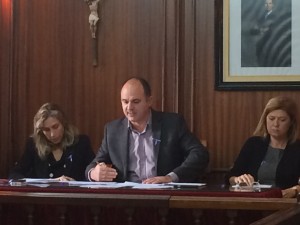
(245, 59)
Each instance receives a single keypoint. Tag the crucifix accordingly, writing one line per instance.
(93, 19)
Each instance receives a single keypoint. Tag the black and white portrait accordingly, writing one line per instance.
(266, 33)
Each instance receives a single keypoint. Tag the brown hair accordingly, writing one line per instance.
(286, 104)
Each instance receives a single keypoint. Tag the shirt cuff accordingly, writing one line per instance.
(89, 175)
(173, 176)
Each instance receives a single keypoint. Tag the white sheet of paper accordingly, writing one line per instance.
(187, 184)
(254, 186)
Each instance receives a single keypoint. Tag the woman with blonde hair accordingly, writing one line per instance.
(272, 155)
(55, 150)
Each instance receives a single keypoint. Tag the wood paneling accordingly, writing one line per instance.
(5, 84)
(168, 42)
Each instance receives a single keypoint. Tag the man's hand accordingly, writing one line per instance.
(103, 172)
(158, 180)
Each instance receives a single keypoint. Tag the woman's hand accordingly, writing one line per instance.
(245, 178)
(64, 178)
(290, 192)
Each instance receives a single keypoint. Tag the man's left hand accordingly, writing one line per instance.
(158, 180)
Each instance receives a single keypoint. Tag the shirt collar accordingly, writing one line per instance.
(149, 122)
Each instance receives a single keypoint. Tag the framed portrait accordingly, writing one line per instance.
(257, 44)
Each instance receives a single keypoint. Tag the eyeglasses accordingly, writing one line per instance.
(255, 187)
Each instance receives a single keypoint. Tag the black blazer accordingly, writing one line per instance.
(253, 153)
(73, 162)
(178, 150)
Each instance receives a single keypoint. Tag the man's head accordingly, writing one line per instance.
(136, 100)
(269, 5)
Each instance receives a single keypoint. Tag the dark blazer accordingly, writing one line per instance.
(178, 150)
(73, 162)
(253, 153)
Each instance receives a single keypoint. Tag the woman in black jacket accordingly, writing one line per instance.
(272, 155)
(55, 150)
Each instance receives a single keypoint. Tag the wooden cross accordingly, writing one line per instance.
(93, 20)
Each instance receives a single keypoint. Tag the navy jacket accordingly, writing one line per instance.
(73, 162)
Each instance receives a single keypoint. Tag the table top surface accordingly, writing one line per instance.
(204, 196)
(185, 190)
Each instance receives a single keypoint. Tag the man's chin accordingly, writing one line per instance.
(131, 118)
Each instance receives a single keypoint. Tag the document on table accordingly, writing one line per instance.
(147, 186)
(134, 185)
(186, 184)
(41, 181)
(254, 186)
(84, 184)
(126, 184)
(70, 183)
(165, 185)
(113, 185)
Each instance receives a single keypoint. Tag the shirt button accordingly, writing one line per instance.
(65, 166)
(51, 175)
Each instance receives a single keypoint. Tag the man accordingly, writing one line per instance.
(147, 146)
(273, 37)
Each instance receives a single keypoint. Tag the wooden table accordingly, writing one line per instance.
(96, 206)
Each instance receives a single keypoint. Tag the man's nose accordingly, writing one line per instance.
(130, 105)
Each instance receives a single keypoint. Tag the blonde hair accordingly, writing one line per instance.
(283, 103)
(44, 147)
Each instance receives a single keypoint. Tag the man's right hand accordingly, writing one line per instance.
(103, 172)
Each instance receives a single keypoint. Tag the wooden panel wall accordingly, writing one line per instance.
(168, 42)
(5, 84)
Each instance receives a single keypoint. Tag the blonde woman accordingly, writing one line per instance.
(55, 150)
(272, 155)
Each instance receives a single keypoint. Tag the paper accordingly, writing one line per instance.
(82, 183)
(164, 186)
(112, 185)
(39, 185)
(151, 186)
(41, 181)
(254, 186)
(187, 184)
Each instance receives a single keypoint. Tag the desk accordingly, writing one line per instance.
(96, 206)
(290, 216)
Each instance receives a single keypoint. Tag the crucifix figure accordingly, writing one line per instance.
(94, 17)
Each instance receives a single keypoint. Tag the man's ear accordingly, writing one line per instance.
(150, 100)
